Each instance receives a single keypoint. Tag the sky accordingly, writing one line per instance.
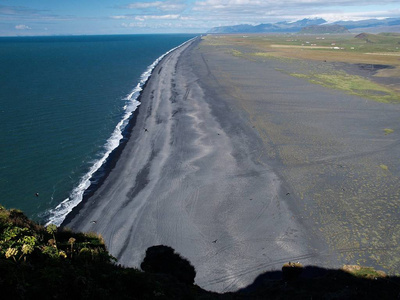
(87, 17)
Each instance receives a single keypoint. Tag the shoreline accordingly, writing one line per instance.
(194, 184)
(242, 168)
(101, 174)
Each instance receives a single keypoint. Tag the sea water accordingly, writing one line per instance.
(64, 102)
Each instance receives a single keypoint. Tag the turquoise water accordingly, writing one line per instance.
(61, 100)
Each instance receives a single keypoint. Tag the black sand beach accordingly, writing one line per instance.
(240, 168)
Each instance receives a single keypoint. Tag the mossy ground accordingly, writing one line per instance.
(354, 85)
(364, 272)
(333, 154)
(382, 49)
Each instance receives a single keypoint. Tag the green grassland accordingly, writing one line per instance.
(369, 49)
(385, 42)
(354, 85)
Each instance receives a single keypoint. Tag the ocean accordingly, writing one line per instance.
(64, 104)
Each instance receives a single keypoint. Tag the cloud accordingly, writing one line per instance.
(18, 11)
(230, 12)
(259, 7)
(157, 5)
(163, 17)
(211, 4)
(133, 25)
(22, 27)
(210, 13)
(148, 17)
(120, 17)
(183, 14)
(141, 5)
(355, 16)
(25, 13)
(160, 26)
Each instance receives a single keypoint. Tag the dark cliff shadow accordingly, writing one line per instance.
(312, 282)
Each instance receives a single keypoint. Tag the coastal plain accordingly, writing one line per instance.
(241, 164)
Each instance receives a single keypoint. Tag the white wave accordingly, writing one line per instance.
(58, 214)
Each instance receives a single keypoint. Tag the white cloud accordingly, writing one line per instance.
(148, 17)
(144, 4)
(155, 17)
(229, 12)
(150, 14)
(257, 6)
(22, 27)
(158, 5)
(119, 17)
(133, 25)
(267, 3)
(164, 25)
(352, 16)
(211, 13)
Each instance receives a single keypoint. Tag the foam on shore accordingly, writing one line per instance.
(57, 215)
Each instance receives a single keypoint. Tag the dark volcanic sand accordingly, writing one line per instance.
(243, 168)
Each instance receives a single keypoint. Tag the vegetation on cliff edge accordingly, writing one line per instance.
(39, 262)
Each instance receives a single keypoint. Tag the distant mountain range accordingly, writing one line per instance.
(293, 27)
(323, 29)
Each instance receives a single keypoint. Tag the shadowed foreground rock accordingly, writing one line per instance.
(163, 259)
(62, 264)
(291, 271)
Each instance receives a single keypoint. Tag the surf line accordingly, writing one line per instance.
(58, 214)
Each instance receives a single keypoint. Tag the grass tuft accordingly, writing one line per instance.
(388, 131)
(236, 53)
(384, 167)
(363, 272)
